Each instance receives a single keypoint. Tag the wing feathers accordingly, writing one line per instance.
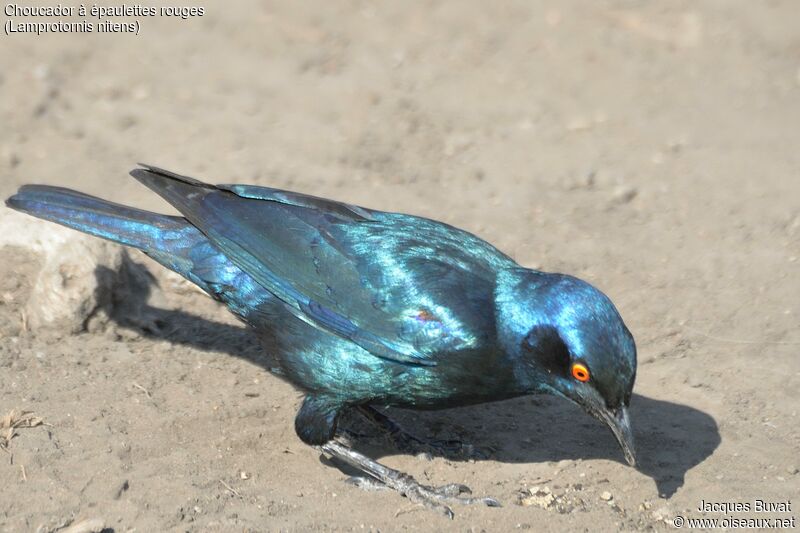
(280, 243)
(404, 288)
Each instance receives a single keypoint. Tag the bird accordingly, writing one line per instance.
(362, 310)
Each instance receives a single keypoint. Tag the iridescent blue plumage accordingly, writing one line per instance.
(360, 307)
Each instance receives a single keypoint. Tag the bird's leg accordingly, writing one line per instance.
(316, 424)
(408, 443)
(435, 498)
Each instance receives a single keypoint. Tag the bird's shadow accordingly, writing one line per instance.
(671, 438)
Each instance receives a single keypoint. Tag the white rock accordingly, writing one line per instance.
(67, 288)
(538, 498)
(92, 525)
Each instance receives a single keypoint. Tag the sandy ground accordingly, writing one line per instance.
(650, 148)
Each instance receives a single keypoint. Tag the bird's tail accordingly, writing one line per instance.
(170, 240)
(150, 232)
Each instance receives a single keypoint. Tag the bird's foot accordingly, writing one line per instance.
(380, 477)
(435, 498)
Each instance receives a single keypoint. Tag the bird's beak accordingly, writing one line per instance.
(620, 425)
(616, 419)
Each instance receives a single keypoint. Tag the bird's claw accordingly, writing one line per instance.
(434, 498)
(437, 498)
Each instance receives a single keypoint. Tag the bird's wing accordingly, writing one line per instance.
(402, 287)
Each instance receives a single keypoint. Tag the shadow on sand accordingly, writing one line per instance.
(670, 438)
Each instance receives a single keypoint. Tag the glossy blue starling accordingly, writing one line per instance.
(363, 309)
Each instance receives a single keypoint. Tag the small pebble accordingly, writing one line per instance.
(539, 497)
(624, 194)
(791, 469)
(607, 496)
(662, 513)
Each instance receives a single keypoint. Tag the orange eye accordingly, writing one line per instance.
(580, 372)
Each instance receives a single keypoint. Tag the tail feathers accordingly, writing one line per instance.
(184, 193)
(149, 171)
(125, 225)
(170, 240)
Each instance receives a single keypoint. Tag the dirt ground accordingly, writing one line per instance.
(650, 148)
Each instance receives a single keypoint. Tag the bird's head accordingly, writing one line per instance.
(568, 339)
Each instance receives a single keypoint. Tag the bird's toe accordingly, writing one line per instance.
(452, 489)
(438, 498)
(423, 496)
(491, 502)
